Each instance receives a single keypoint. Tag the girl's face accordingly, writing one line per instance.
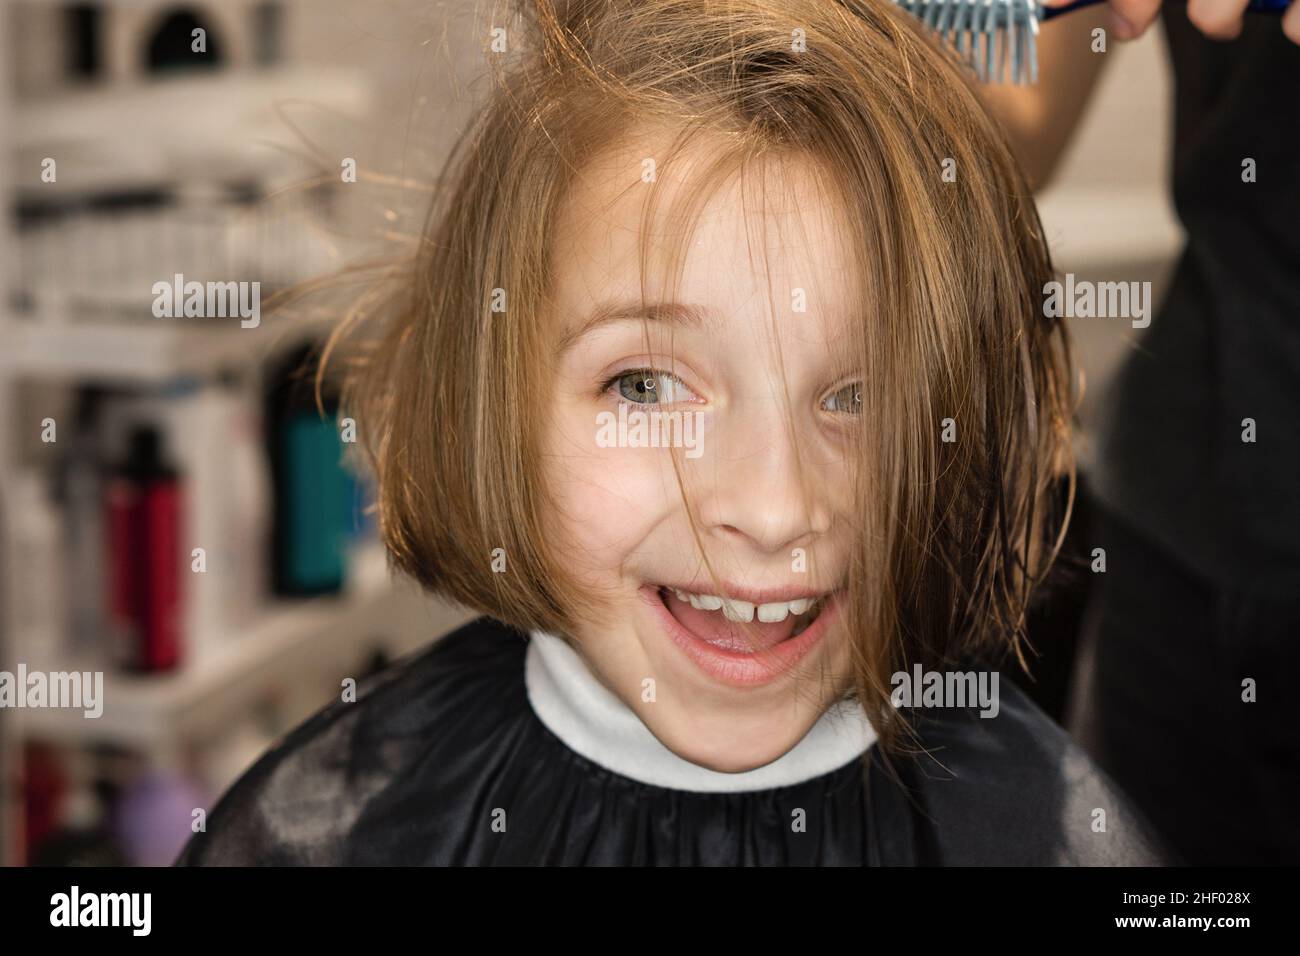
(764, 413)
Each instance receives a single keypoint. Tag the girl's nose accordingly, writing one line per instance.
(755, 489)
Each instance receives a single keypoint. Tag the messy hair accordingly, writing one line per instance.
(964, 441)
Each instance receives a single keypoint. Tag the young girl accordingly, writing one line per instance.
(721, 386)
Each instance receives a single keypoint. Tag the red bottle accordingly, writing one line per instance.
(145, 560)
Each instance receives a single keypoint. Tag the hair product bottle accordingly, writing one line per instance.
(311, 497)
(40, 618)
(144, 507)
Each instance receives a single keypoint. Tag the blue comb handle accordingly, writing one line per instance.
(1256, 6)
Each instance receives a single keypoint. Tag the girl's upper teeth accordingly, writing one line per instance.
(744, 611)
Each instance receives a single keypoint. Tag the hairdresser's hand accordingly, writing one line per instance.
(1217, 19)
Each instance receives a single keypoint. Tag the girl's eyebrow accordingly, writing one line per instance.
(666, 313)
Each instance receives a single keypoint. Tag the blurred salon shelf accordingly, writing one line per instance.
(120, 169)
(148, 352)
(195, 123)
(290, 639)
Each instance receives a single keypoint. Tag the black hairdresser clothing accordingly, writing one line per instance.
(444, 745)
(1201, 528)
(1161, 699)
(1225, 344)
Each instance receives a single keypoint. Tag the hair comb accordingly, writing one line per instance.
(988, 33)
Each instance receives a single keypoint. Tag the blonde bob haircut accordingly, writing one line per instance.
(963, 450)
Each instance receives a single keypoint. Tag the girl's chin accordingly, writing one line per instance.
(732, 655)
(723, 758)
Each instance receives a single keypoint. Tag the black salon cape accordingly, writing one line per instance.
(443, 745)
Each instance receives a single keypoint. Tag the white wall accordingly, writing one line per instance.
(1109, 215)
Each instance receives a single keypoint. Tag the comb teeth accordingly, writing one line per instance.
(986, 33)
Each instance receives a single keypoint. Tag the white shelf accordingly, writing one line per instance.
(209, 695)
(135, 352)
(228, 124)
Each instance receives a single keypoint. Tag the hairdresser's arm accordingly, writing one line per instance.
(1039, 119)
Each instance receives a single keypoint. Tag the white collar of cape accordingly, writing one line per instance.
(593, 722)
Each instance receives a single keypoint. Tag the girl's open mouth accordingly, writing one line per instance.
(740, 626)
(740, 642)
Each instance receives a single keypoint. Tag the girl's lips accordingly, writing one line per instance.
(739, 668)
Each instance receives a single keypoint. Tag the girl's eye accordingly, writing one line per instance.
(847, 400)
(648, 386)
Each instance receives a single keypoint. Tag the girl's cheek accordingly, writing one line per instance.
(613, 498)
